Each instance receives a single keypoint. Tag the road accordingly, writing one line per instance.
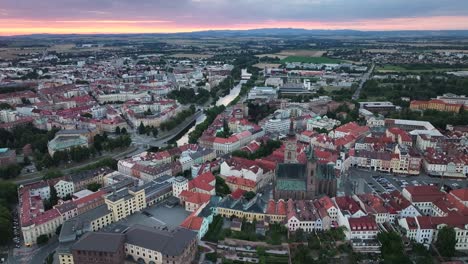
(44, 251)
(32, 177)
(364, 78)
(147, 141)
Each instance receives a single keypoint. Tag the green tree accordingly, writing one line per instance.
(52, 174)
(42, 239)
(94, 187)
(123, 131)
(4, 106)
(88, 115)
(6, 228)
(10, 171)
(392, 248)
(57, 231)
(141, 129)
(222, 189)
(8, 193)
(249, 195)
(446, 241)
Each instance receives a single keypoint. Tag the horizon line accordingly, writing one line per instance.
(233, 30)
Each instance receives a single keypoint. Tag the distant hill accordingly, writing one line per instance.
(270, 32)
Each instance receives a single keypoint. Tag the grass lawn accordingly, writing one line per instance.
(305, 59)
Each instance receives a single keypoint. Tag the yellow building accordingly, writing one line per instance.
(241, 208)
(125, 202)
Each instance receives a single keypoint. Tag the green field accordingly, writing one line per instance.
(304, 59)
(395, 68)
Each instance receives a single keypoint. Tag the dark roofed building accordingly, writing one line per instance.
(304, 181)
(174, 246)
(99, 248)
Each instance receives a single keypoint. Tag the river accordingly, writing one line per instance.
(226, 100)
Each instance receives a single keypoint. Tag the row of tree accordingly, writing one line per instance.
(10, 171)
(424, 88)
(188, 96)
(178, 119)
(80, 154)
(22, 135)
(438, 118)
(210, 117)
(8, 197)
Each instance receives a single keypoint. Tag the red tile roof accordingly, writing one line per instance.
(238, 193)
(363, 223)
(192, 222)
(195, 197)
(241, 181)
(204, 181)
(461, 194)
(348, 204)
(424, 193)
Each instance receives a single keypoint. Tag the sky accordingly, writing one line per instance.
(18, 17)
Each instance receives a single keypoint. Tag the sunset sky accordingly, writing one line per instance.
(162, 16)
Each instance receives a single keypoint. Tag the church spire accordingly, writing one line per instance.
(291, 132)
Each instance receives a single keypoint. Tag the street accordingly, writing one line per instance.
(148, 141)
(365, 77)
(32, 177)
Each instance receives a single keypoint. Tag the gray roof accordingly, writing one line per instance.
(80, 176)
(82, 223)
(168, 242)
(72, 131)
(291, 171)
(256, 205)
(122, 193)
(162, 184)
(101, 242)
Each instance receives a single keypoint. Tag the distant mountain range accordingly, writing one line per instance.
(277, 32)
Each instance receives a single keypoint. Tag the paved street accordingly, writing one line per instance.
(148, 141)
(365, 77)
(32, 177)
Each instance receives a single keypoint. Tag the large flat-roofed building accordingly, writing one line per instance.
(378, 107)
(158, 190)
(126, 201)
(99, 248)
(454, 99)
(136, 243)
(66, 142)
(264, 93)
(435, 104)
(294, 89)
(178, 246)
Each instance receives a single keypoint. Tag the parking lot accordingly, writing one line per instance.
(16, 230)
(154, 216)
(378, 182)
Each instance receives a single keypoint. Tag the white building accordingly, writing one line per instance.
(180, 184)
(64, 188)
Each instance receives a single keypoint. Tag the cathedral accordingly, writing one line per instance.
(300, 181)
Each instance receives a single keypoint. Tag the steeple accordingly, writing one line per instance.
(291, 132)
